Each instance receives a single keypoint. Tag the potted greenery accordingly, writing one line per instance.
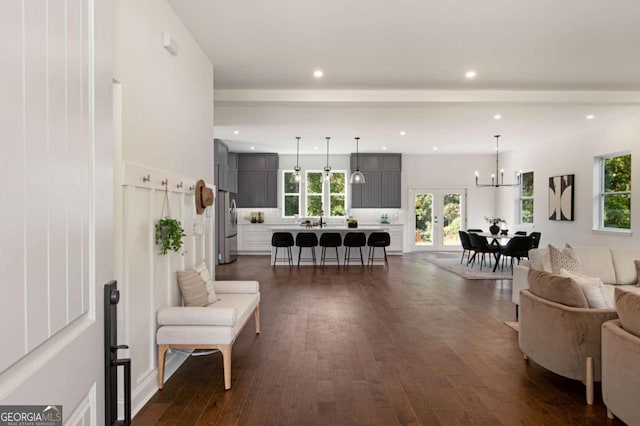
(495, 224)
(169, 235)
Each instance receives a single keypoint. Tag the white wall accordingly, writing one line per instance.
(574, 154)
(167, 100)
(166, 130)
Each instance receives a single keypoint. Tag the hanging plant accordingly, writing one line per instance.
(169, 232)
(169, 235)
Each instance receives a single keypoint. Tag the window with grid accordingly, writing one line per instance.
(615, 191)
(314, 193)
(338, 194)
(290, 195)
(526, 198)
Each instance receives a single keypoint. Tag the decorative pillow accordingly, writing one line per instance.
(565, 259)
(556, 288)
(193, 288)
(206, 277)
(592, 287)
(628, 307)
(637, 262)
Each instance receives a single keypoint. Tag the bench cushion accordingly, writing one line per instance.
(216, 324)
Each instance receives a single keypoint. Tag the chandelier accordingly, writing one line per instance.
(494, 176)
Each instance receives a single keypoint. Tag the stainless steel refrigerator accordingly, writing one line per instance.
(227, 221)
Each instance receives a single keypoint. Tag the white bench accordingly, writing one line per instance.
(214, 326)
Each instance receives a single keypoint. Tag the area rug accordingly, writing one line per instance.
(451, 262)
(513, 324)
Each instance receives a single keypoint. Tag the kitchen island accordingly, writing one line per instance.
(330, 258)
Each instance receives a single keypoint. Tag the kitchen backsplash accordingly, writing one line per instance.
(364, 216)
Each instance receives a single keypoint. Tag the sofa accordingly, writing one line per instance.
(620, 359)
(563, 339)
(213, 326)
(614, 266)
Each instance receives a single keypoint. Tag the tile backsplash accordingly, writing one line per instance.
(364, 216)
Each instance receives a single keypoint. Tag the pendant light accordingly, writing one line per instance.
(357, 177)
(295, 176)
(327, 168)
(494, 177)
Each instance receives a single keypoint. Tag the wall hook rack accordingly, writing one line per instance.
(180, 185)
(165, 182)
(191, 188)
(146, 178)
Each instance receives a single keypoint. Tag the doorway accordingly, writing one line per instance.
(437, 218)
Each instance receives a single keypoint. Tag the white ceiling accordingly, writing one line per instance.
(261, 51)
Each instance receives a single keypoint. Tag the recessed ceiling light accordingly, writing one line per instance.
(470, 74)
(497, 117)
(402, 133)
(384, 148)
(590, 117)
(318, 73)
(236, 132)
(253, 147)
(435, 148)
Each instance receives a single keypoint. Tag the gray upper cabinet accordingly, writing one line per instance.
(382, 173)
(225, 167)
(257, 180)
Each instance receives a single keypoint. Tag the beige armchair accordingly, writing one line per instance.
(563, 339)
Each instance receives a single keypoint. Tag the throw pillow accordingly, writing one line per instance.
(592, 287)
(565, 259)
(557, 289)
(637, 262)
(628, 307)
(206, 277)
(193, 288)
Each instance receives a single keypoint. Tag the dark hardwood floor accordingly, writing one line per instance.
(411, 344)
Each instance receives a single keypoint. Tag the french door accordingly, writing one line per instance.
(437, 218)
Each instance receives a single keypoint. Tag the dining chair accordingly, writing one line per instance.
(466, 245)
(482, 246)
(517, 248)
(535, 239)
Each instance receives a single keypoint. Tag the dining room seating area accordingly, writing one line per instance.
(496, 250)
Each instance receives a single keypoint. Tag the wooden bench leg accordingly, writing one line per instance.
(256, 316)
(162, 351)
(226, 362)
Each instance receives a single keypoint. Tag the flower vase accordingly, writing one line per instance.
(494, 229)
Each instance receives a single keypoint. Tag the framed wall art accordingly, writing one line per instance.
(561, 197)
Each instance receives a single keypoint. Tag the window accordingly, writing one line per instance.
(291, 195)
(315, 187)
(615, 191)
(526, 198)
(315, 195)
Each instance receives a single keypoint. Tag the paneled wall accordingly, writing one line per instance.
(149, 278)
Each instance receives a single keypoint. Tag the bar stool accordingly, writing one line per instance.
(285, 240)
(330, 239)
(354, 239)
(378, 239)
(307, 239)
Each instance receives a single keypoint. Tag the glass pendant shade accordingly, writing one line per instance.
(327, 168)
(295, 176)
(357, 177)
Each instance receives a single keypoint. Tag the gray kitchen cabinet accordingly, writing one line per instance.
(220, 165)
(382, 187)
(232, 172)
(257, 180)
